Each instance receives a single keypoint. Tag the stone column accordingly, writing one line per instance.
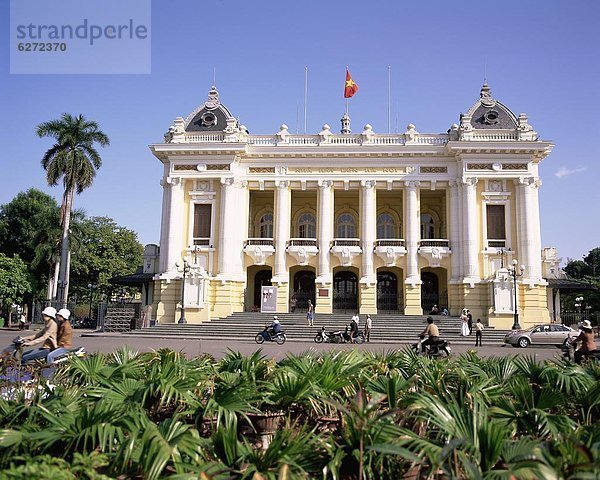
(325, 233)
(412, 282)
(530, 242)
(454, 231)
(175, 225)
(164, 225)
(231, 233)
(283, 206)
(470, 232)
(368, 222)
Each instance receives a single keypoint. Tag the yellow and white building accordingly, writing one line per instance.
(368, 221)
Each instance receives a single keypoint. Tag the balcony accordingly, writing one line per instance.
(435, 250)
(390, 250)
(202, 241)
(302, 249)
(346, 249)
(259, 249)
(495, 246)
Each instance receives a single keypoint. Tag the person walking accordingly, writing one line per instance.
(368, 326)
(478, 332)
(310, 314)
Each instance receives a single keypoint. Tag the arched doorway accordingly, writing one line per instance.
(387, 292)
(345, 291)
(304, 288)
(261, 279)
(430, 291)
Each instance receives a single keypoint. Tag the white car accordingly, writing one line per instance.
(544, 334)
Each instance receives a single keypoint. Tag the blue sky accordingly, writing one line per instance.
(541, 59)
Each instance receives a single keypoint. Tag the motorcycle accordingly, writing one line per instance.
(358, 338)
(265, 335)
(437, 350)
(329, 337)
(86, 322)
(15, 350)
(569, 349)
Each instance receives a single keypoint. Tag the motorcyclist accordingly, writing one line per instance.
(65, 335)
(353, 327)
(586, 337)
(46, 337)
(432, 332)
(275, 327)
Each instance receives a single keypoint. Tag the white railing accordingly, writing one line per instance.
(260, 241)
(204, 137)
(316, 140)
(302, 242)
(435, 242)
(487, 135)
(389, 242)
(346, 242)
(201, 241)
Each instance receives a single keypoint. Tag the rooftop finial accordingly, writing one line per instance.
(213, 99)
(486, 96)
(346, 124)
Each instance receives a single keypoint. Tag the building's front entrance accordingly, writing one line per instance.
(261, 279)
(345, 291)
(387, 292)
(431, 294)
(304, 290)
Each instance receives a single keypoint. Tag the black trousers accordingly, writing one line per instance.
(478, 337)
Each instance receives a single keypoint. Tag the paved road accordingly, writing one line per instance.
(218, 348)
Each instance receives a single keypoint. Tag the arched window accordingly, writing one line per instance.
(265, 226)
(427, 226)
(386, 226)
(307, 226)
(345, 226)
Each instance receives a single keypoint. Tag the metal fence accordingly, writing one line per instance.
(574, 318)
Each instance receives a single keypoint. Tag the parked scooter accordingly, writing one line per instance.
(329, 337)
(265, 335)
(438, 349)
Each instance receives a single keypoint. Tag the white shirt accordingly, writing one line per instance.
(356, 318)
(368, 322)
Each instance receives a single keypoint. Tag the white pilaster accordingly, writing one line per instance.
(368, 213)
(282, 230)
(164, 223)
(454, 226)
(175, 227)
(411, 215)
(232, 231)
(325, 228)
(530, 241)
(470, 232)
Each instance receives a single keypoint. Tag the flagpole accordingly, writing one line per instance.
(305, 95)
(389, 99)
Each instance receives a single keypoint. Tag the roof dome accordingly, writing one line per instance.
(211, 116)
(489, 113)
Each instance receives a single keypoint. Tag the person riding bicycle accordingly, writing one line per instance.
(432, 332)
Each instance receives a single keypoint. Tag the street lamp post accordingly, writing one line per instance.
(185, 269)
(579, 307)
(91, 286)
(516, 271)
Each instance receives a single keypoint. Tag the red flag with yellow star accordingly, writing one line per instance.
(351, 87)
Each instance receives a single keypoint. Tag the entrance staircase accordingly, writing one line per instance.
(387, 328)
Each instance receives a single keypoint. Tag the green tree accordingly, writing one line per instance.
(14, 281)
(107, 250)
(74, 160)
(587, 270)
(30, 228)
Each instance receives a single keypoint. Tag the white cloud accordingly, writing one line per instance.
(564, 171)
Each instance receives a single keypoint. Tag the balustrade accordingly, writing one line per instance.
(260, 241)
(302, 242)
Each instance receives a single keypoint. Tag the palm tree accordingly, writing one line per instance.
(74, 159)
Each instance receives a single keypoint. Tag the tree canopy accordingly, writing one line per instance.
(14, 280)
(107, 250)
(587, 270)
